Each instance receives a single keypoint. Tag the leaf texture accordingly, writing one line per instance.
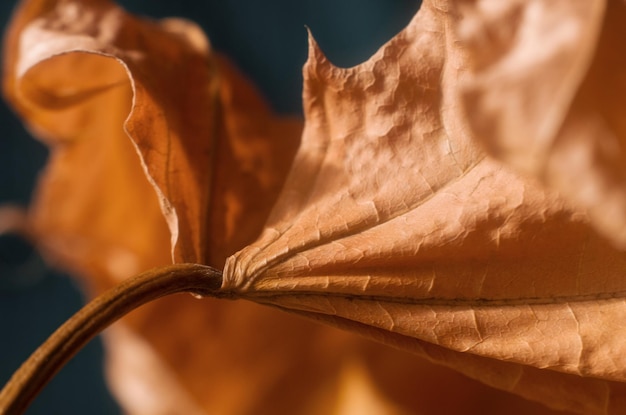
(394, 223)
(83, 70)
(541, 93)
(130, 106)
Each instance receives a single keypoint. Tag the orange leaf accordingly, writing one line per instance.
(144, 119)
(394, 224)
(83, 70)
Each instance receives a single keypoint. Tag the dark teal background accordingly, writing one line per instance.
(267, 40)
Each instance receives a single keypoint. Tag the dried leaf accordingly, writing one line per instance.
(82, 70)
(76, 71)
(394, 224)
(542, 93)
(88, 77)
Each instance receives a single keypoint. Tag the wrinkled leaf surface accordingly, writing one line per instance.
(395, 223)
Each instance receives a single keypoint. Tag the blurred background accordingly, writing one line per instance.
(267, 40)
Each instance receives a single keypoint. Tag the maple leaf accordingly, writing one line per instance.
(393, 222)
(82, 76)
(76, 58)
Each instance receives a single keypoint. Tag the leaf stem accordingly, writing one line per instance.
(104, 310)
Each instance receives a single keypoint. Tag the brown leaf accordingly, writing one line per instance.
(122, 99)
(394, 224)
(543, 92)
(70, 100)
(81, 71)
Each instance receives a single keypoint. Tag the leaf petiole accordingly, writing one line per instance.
(104, 310)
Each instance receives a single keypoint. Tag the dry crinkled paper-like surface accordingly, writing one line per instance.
(394, 224)
(353, 241)
(74, 73)
(83, 74)
(545, 94)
